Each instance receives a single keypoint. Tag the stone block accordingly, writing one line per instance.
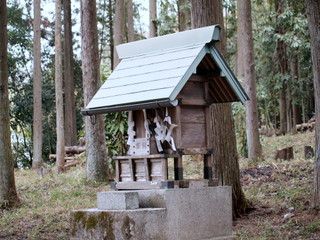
(193, 213)
(117, 200)
(138, 224)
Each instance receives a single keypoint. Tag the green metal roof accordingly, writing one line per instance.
(153, 71)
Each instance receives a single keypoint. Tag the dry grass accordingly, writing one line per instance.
(46, 203)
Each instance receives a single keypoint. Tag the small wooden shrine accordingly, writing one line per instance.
(167, 85)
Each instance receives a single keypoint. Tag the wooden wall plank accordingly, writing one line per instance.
(192, 89)
(192, 114)
(193, 135)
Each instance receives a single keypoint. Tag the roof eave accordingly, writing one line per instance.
(231, 78)
(130, 107)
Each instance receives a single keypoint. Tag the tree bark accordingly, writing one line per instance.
(119, 24)
(152, 18)
(59, 89)
(295, 107)
(246, 71)
(283, 65)
(111, 42)
(130, 21)
(204, 13)
(96, 158)
(313, 15)
(8, 193)
(37, 98)
(70, 121)
(183, 15)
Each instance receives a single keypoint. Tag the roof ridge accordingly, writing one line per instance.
(171, 41)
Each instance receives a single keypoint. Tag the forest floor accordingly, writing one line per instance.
(279, 192)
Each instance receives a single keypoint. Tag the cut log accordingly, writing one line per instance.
(54, 156)
(308, 152)
(305, 127)
(284, 153)
(75, 149)
(70, 164)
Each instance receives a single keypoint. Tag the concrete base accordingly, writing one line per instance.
(166, 214)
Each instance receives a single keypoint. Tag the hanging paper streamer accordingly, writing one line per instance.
(131, 133)
(163, 133)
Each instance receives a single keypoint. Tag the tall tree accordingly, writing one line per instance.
(130, 21)
(70, 112)
(37, 79)
(294, 69)
(111, 42)
(281, 51)
(152, 18)
(97, 165)
(246, 71)
(183, 15)
(59, 88)
(119, 27)
(226, 166)
(8, 193)
(313, 15)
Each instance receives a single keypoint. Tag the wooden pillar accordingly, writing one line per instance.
(207, 166)
(178, 169)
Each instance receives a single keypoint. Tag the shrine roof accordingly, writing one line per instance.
(153, 71)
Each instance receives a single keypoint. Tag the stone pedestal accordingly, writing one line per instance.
(114, 200)
(165, 214)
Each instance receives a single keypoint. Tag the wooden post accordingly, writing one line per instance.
(146, 169)
(132, 171)
(308, 152)
(178, 169)
(117, 170)
(207, 166)
(284, 153)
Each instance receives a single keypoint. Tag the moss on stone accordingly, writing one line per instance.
(91, 222)
(78, 216)
(127, 227)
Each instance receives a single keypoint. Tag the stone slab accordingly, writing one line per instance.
(193, 213)
(138, 224)
(117, 200)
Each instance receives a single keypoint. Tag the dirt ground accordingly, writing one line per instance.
(280, 195)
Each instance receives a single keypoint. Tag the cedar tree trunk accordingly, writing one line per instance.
(37, 98)
(283, 65)
(70, 111)
(59, 89)
(183, 15)
(152, 18)
(119, 27)
(131, 37)
(8, 193)
(313, 15)
(97, 164)
(246, 72)
(204, 13)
